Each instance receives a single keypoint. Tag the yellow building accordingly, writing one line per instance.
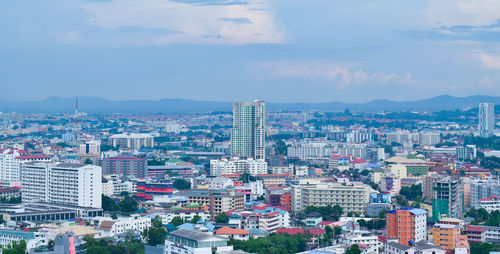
(445, 235)
(399, 170)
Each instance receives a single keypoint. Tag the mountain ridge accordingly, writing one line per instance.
(92, 104)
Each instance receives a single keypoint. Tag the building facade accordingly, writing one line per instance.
(248, 133)
(486, 124)
(406, 225)
(127, 167)
(62, 183)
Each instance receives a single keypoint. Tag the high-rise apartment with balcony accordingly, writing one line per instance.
(249, 130)
(486, 119)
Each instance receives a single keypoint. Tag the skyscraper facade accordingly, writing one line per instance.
(249, 133)
(486, 119)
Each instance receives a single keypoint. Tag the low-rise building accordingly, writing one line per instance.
(352, 198)
(444, 235)
(188, 241)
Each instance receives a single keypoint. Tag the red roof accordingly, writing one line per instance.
(294, 231)
(474, 228)
(231, 231)
(382, 238)
(359, 161)
(326, 222)
(32, 157)
(290, 231)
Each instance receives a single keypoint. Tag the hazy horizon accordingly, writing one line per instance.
(232, 50)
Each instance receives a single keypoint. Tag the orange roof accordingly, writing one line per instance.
(231, 231)
(461, 242)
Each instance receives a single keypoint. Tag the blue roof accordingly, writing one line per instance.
(256, 231)
(187, 226)
(374, 165)
(418, 211)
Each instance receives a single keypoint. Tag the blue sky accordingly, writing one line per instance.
(227, 50)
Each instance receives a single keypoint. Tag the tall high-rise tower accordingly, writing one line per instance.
(486, 119)
(248, 136)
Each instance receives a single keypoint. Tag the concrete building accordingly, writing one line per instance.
(131, 140)
(112, 228)
(352, 198)
(486, 125)
(406, 225)
(444, 235)
(468, 152)
(125, 166)
(422, 247)
(11, 160)
(220, 183)
(310, 151)
(188, 241)
(248, 136)
(490, 204)
(429, 138)
(218, 201)
(480, 189)
(62, 183)
(33, 239)
(448, 199)
(237, 165)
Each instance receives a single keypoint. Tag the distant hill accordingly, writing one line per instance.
(172, 106)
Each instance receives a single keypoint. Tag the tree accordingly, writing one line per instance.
(108, 204)
(124, 194)
(401, 200)
(195, 219)
(182, 184)
(483, 248)
(354, 249)
(491, 163)
(156, 234)
(222, 218)
(128, 205)
(412, 192)
(281, 148)
(274, 243)
(88, 161)
(382, 213)
(176, 221)
(15, 248)
(337, 230)
(246, 178)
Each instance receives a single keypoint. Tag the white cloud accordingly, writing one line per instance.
(462, 12)
(191, 22)
(489, 61)
(335, 73)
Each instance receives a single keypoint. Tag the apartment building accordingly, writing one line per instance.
(445, 235)
(62, 183)
(218, 201)
(237, 165)
(352, 198)
(131, 140)
(125, 166)
(406, 224)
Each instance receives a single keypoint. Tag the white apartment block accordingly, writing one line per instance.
(90, 147)
(310, 151)
(131, 140)
(62, 183)
(352, 198)
(220, 183)
(429, 138)
(185, 215)
(237, 165)
(10, 161)
(248, 136)
(111, 228)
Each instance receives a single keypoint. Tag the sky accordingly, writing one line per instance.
(228, 50)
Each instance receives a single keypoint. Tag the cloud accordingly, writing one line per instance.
(489, 61)
(462, 12)
(335, 73)
(194, 21)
